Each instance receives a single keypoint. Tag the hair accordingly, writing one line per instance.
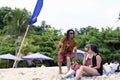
(94, 48)
(87, 46)
(68, 31)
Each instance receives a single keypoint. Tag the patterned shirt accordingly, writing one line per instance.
(67, 45)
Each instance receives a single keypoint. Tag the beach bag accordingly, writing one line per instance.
(75, 66)
(118, 68)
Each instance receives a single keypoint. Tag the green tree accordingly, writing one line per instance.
(3, 12)
(16, 24)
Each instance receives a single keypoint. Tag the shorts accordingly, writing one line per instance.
(62, 56)
(75, 66)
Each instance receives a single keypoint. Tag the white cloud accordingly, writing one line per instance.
(67, 14)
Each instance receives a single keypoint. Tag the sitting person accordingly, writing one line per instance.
(87, 61)
(95, 69)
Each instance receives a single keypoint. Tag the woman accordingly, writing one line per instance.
(96, 67)
(87, 60)
(68, 46)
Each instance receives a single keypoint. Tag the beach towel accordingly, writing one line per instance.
(108, 69)
(91, 77)
(68, 78)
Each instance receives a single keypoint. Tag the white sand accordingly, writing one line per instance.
(42, 73)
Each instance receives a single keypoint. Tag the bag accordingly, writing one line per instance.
(118, 68)
(75, 66)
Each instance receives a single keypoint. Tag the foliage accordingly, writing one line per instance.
(3, 12)
(44, 38)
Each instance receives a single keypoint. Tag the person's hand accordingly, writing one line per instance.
(85, 55)
(59, 45)
(68, 45)
(90, 66)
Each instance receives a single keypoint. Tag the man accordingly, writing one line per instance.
(68, 46)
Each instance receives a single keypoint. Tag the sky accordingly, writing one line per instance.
(67, 14)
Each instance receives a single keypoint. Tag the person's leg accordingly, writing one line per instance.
(60, 69)
(90, 71)
(68, 62)
(60, 61)
(68, 58)
(87, 70)
(69, 73)
(78, 73)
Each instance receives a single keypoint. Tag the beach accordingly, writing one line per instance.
(43, 73)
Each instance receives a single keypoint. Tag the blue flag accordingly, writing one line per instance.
(36, 12)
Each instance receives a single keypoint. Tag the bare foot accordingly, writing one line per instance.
(60, 72)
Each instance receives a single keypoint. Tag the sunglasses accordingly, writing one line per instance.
(71, 33)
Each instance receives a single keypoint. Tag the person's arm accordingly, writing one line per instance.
(75, 50)
(75, 53)
(60, 43)
(99, 60)
(84, 59)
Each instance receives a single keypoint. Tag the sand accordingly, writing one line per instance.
(43, 73)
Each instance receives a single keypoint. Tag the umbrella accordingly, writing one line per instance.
(9, 56)
(36, 56)
(80, 53)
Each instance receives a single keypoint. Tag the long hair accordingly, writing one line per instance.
(94, 48)
(68, 31)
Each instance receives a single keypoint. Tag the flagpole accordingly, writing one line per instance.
(33, 19)
(21, 45)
